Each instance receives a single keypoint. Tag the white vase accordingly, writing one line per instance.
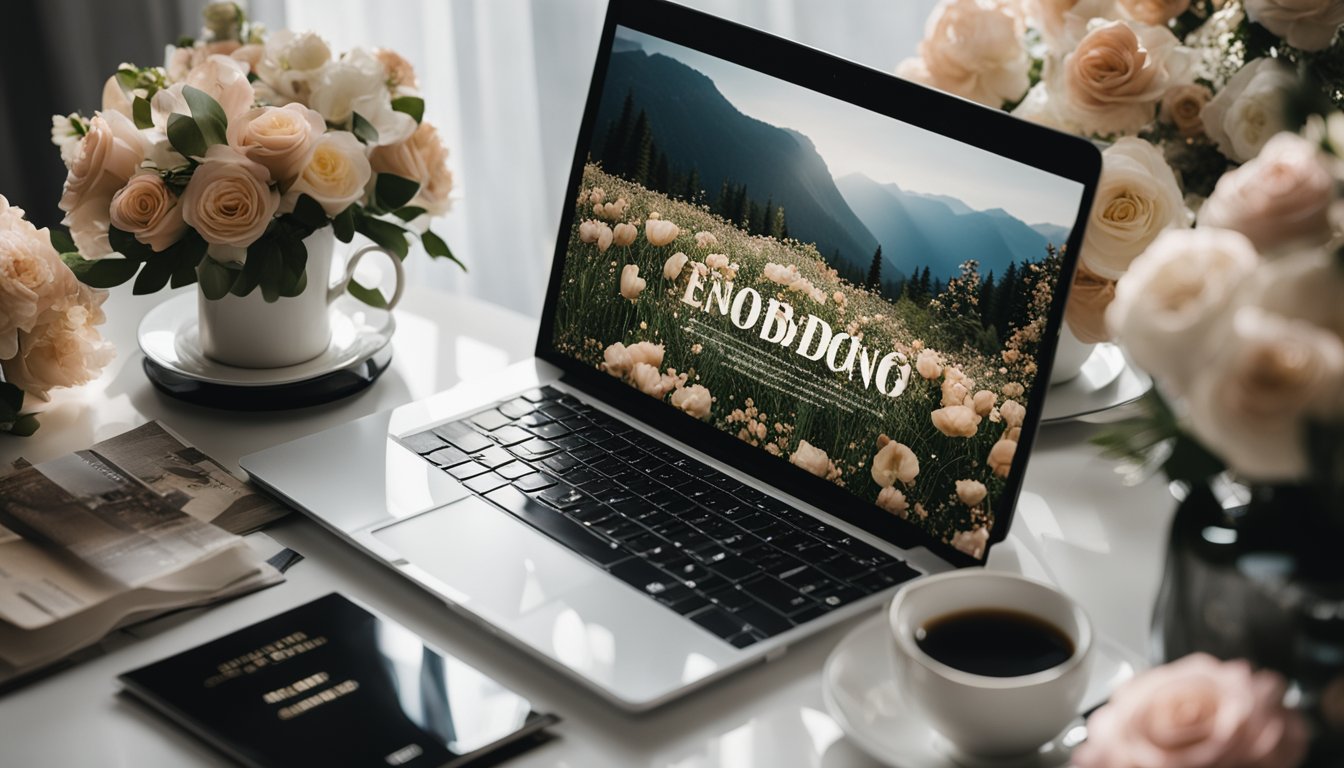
(250, 332)
(1070, 356)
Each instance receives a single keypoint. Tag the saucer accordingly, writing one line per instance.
(1105, 381)
(358, 354)
(866, 702)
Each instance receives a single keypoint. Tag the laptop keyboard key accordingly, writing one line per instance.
(448, 456)
(485, 483)
(745, 639)
(776, 594)
(424, 442)
(560, 463)
(550, 430)
(764, 619)
(517, 408)
(513, 470)
(558, 527)
(510, 435)
(642, 576)
(534, 482)
(494, 456)
(719, 622)
(471, 442)
(467, 470)
(562, 496)
(490, 420)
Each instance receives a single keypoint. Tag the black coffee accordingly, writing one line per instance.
(994, 642)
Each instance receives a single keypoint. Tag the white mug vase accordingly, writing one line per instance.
(250, 332)
(1070, 356)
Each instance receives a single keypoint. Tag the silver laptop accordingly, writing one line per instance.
(792, 355)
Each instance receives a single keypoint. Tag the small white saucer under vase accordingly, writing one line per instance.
(1087, 380)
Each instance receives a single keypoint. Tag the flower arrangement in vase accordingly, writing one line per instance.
(219, 167)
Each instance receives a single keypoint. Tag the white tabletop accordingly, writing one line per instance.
(1079, 525)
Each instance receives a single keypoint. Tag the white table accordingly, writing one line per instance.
(1099, 539)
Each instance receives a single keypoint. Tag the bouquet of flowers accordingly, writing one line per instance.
(216, 166)
(1182, 91)
(47, 319)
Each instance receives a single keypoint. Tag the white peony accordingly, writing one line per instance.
(1137, 198)
(1250, 109)
(1307, 24)
(291, 63)
(357, 84)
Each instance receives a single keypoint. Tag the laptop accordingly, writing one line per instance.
(793, 354)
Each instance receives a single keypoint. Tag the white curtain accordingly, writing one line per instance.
(506, 80)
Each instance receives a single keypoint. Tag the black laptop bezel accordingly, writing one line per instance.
(992, 130)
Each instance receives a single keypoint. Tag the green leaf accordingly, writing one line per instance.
(265, 267)
(128, 79)
(24, 426)
(363, 129)
(61, 240)
(125, 243)
(391, 192)
(371, 296)
(11, 400)
(309, 213)
(294, 263)
(155, 274)
(411, 105)
(409, 212)
(216, 279)
(140, 111)
(384, 233)
(209, 115)
(187, 255)
(436, 247)
(344, 224)
(102, 273)
(186, 136)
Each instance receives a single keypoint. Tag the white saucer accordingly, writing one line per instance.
(865, 701)
(1105, 381)
(169, 338)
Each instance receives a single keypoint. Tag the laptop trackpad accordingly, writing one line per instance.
(486, 559)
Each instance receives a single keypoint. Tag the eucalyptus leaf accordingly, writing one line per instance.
(371, 296)
(140, 111)
(209, 115)
(216, 279)
(186, 136)
(100, 273)
(436, 247)
(392, 192)
(411, 105)
(363, 129)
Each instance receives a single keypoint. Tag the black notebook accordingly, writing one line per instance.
(329, 683)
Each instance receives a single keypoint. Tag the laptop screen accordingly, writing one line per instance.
(859, 298)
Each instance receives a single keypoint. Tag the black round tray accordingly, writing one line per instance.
(320, 389)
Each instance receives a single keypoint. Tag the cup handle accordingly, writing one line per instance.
(339, 287)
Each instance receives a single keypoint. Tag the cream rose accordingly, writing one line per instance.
(1305, 285)
(109, 154)
(1307, 24)
(1182, 106)
(1197, 712)
(674, 264)
(971, 492)
(972, 542)
(1280, 198)
(421, 158)
(1167, 307)
(973, 48)
(1085, 311)
(660, 232)
(1111, 83)
(1250, 402)
(1156, 12)
(956, 420)
(895, 461)
(64, 349)
(279, 138)
(631, 283)
(228, 200)
(1136, 199)
(147, 209)
(1250, 108)
(694, 400)
(335, 174)
(811, 458)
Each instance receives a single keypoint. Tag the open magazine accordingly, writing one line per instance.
(87, 546)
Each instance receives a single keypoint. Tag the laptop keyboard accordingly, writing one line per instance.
(737, 562)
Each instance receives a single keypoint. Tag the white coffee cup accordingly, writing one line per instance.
(981, 716)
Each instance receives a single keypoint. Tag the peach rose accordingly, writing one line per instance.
(1197, 712)
(1250, 108)
(335, 174)
(631, 283)
(1013, 413)
(422, 158)
(146, 208)
(1307, 24)
(972, 542)
(1251, 401)
(1155, 12)
(32, 276)
(616, 360)
(973, 48)
(1168, 306)
(674, 264)
(812, 459)
(1085, 311)
(624, 234)
(928, 365)
(646, 352)
(1137, 198)
(971, 492)
(1111, 83)
(956, 420)
(893, 501)
(1182, 105)
(1000, 459)
(660, 232)
(400, 73)
(279, 138)
(64, 349)
(694, 400)
(108, 155)
(1280, 198)
(895, 461)
(228, 200)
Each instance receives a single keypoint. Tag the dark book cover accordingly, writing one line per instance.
(329, 683)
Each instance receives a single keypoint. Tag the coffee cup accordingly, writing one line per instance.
(1016, 696)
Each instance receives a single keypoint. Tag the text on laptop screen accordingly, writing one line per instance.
(859, 297)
